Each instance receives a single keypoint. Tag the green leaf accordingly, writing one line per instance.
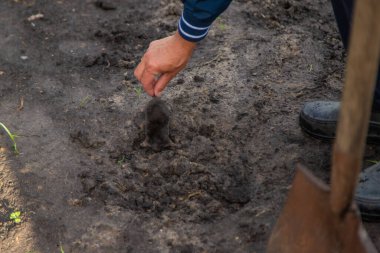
(138, 90)
(373, 161)
(15, 216)
(11, 136)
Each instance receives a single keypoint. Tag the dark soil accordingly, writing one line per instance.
(83, 182)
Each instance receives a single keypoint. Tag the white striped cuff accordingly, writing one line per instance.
(191, 32)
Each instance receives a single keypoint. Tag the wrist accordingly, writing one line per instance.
(188, 45)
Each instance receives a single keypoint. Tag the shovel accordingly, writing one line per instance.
(317, 219)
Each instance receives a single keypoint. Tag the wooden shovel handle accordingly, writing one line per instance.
(361, 72)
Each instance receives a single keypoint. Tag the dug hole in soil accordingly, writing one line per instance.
(83, 183)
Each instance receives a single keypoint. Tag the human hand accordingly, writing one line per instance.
(163, 60)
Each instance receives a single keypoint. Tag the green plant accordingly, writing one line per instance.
(61, 248)
(222, 26)
(121, 160)
(15, 216)
(11, 136)
(138, 90)
(84, 101)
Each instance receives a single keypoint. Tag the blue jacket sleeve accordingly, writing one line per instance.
(198, 16)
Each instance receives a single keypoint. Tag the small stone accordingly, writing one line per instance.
(99, 161)
(198, 79)
(36, 17)
(127, 64)
(105, 5)
(74, 202)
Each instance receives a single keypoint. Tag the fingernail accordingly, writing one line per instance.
(158, 94)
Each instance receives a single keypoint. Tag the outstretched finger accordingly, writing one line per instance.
(162, 83)
(148, 81)
(139, 71)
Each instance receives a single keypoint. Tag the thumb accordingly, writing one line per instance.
(162, 83)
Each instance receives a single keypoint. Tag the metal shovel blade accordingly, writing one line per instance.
(307, 224)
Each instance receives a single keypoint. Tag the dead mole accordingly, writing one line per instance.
(157, 116)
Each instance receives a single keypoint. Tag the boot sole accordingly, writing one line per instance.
(369, 210)
(306, 126)
(369, 217)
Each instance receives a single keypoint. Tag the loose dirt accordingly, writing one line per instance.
(83, 182)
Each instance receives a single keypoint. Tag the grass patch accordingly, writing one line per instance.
(11, 136)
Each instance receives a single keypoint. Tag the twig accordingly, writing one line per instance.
(193, 194)
(21, 105)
